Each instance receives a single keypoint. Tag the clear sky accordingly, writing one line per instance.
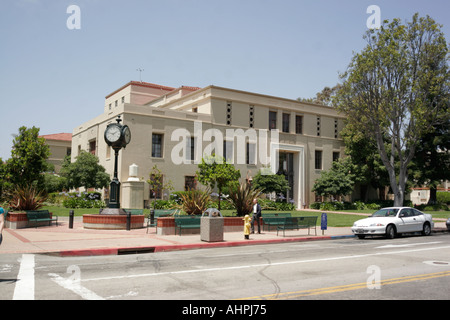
(56, 78)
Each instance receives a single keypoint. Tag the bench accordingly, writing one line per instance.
(298, 223)
(41, 216)
(187, 223)
(153, 222)
(274, 219)
(137, 212)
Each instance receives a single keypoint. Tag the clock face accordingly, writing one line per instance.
(127, 134)
(113, 133)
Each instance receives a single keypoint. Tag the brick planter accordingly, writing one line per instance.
(19, 220)
(112, 222)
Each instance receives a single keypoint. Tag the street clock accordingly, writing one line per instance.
(117, 135)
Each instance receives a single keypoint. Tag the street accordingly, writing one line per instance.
(406, 268)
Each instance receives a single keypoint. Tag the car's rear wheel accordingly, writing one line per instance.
(426, 231)
(390, 232)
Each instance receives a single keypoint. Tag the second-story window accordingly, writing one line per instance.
(272, 120)
(157, 147)
(286, 119)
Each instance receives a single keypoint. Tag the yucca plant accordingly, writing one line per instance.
(195, 201)
(241, 196)
(26, 198)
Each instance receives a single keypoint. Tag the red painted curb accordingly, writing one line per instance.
(176, 247)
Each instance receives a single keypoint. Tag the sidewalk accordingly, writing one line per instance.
(62, 241)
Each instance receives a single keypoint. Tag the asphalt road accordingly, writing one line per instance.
(406, 268)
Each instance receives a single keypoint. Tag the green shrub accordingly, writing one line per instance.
(443, 197)
(315, 206)
(359, 205)
(88, 200)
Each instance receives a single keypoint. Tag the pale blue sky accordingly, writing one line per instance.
(56, 79)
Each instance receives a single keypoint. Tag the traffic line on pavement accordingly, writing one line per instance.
(349, 287)
(24, 289)
(262, 265)
(75, 287)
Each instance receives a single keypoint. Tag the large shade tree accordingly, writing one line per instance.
(85, 172)
(394, 89)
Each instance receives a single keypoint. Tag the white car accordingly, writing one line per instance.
(393, 221)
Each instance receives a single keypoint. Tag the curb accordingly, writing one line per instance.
(179, 247)
(193, 246)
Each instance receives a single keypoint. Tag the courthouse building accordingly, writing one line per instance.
(174, 127)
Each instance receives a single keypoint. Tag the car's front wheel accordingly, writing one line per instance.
(390, 232)
(426, 231)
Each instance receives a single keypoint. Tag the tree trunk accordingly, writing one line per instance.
(433, 196)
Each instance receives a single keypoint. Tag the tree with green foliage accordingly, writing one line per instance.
(393, 91)
(269, 183)
(28, 160)
(431, 164)
(215, 171)
(368, 165)
(85, 172)
(338, 181)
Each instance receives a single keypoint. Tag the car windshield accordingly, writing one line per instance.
(386, 213)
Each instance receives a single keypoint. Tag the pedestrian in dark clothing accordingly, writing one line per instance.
(256, 215)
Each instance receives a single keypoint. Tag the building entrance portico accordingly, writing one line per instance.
(290, 160)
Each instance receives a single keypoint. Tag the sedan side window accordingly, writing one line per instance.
(405, 213)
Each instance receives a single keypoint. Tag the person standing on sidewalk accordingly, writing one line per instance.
(256, 215)
(2, 223)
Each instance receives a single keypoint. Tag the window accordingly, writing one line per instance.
(336, 156)
(229, 107)
(195, 110)
(190, 183)
(116, 103)
(228, 151)
(251, 153)
(318, 160)
(318, 126)
(272, 120)
(336, 132)
(251, 116)
(286, 119)
(123, 99)
(299, 124)
(190, 147)
(92, 146)
(157, 141)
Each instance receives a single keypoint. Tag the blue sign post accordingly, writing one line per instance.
(323, 222)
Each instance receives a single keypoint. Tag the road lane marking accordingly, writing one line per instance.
(406, 245)
(75, 287)
(349, 287)
(24, 289)
(262, 265)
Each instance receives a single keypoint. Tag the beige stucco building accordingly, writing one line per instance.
(60, 145)
(305, 142)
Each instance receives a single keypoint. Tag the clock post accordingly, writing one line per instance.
(117, 136)
(114, 187)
